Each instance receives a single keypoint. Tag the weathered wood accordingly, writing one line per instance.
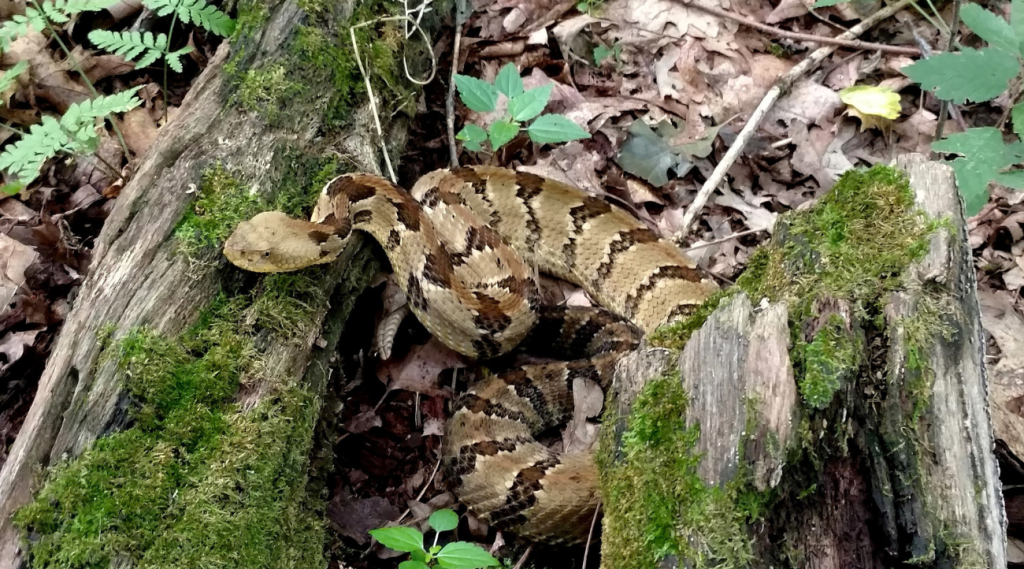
(138, 278)
(893, 487)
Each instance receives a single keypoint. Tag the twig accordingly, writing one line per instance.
(423, 491)
(590, 535)
(369, 87)
(781, 85)
(841, 40)
(724, 239)
(522, 559)
(449, 102)
(944, 106)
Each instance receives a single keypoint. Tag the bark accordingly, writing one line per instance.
(138, 279)
(888, 496)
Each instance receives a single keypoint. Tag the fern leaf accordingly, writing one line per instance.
(174, 58)
(11, 75)
(19, 25)
(58, 11)
(197, 11)
(131, 44)
(26, 157)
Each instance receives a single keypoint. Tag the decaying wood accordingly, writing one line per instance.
(872, 512)
(137, 279)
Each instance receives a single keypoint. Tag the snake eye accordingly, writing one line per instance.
(266, 253)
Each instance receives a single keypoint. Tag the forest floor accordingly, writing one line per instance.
(663, 88)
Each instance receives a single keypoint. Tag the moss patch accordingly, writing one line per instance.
(655, 504)
(853, 245)
(318, 74)
(196, 481)
(263, 90)
(829, 359)
(675, 335)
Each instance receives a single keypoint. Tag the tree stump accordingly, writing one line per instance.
(891, 464)
(246, 137)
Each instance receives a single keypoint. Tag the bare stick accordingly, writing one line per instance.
(449, 103)
(522, 560)
(825, 40)
(781, 85)
(590, 535)
(724, 239)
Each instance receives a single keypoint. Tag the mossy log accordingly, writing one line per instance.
(162, 325)
(827, 422)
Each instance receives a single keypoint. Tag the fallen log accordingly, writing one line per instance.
(223, 373)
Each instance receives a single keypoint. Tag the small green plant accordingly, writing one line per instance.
(482, 97)
(602, 53)
(75, 132)
(455, 555)
(588, 6)
(980, 75)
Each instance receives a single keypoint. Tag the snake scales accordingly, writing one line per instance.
(464, 245)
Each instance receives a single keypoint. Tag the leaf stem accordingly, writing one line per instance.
(170, 31)
(13, 129)
(944, 105)
(78, 68)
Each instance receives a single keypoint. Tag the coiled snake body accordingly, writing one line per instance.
(463, 246)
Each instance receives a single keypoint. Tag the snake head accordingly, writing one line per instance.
(272, 242)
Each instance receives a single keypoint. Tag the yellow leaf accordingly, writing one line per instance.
(872, 100)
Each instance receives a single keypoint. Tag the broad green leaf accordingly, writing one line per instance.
(476, 94)
(555, 128)
(1013, 179)
(525, 106)
(399, 538)
(501, 132)
(645, 154)
(443, 520)
(413, 564)
(1017, 118)
(983, 155)
(11, 188)
(872, 100)
(461, 555)
(473, 135)
(702, 147)
(826, 3)
(972, 74)
(990, 28)
(508, 81)
(1017, 19)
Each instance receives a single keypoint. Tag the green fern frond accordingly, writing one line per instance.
(75, 132)
(131, 44)
(174, 58)
(19, 25)
(11, 76)
(197, 11)
(36, 15)
(24, 158)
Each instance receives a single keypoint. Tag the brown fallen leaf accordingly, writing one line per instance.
(51, 80)
(15, 258)
(419, 369)
(13, 345)
(354, 518)
(363, 422)
(139, 130)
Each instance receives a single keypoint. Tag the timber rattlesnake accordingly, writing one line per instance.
(463, 245)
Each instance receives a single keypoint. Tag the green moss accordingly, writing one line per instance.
(853, 245)
(264, 90)
(196, 481)
(675, 335)
(830, 359)
(223, 203)
(654, 502)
